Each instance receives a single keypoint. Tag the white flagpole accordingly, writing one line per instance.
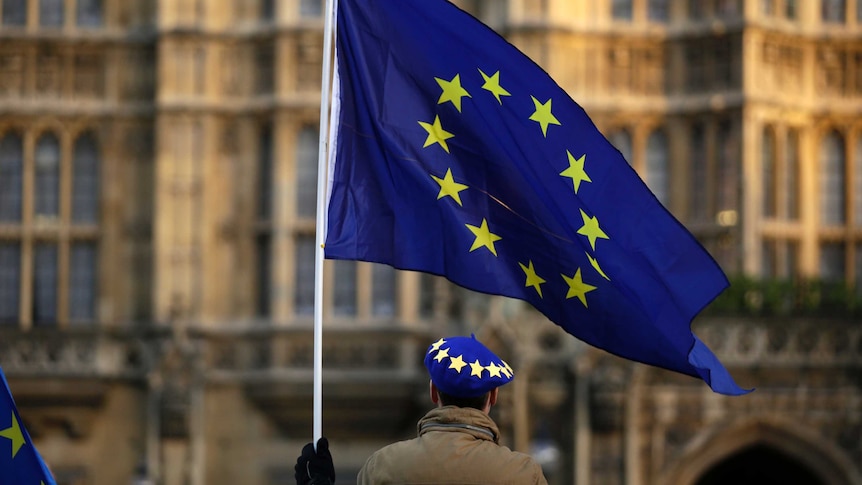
(320, 231)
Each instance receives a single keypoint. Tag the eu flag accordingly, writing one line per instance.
(455, 154)
(20, 463)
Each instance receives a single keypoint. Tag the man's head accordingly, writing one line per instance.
(465, 373)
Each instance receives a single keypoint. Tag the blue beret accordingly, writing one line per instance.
(463, 367)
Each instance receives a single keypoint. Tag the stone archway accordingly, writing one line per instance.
(759, 465)
(769, 450)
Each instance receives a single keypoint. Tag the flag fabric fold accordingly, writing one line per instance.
(20, 462)
(457, 155)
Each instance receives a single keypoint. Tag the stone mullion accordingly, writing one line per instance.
(26, 293)
(63, 239)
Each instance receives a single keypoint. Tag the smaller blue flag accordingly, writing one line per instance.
(20, 463)
(455, 154)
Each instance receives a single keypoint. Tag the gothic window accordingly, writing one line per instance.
(263, 249)
(696, 9)
(621, 9)
(51, 13)
(45, 284)
(11, 178)
(344, 288)
(769, 173)
(857, 185)
(14, 13)
(89, 75)
(383, 290)
(859, 20)
(89, 13)
(267, 10)
(833, 194)
(657, 163)
(265, 173)
(699, 174)
(768, 261)
(10, 281)
(658, 10)
(833, 11)
(264, 57)
(306, 172)
(310, 8)
(622, 140)
(308, 69)
(727, 156)
(832, 257)
(47, 180)
(427, 294)
(728, 9)
(790, 177)
(303, 294)
(791, 9)
(82, 282)
(85, 180)
(263, 237)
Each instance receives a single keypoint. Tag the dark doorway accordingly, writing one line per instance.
(760, 465)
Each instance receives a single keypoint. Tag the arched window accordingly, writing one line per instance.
(833, 191)
(306, 172)
(89, 13)
(85, 180)
(47, 158)
(621, 9)
(657, 166)
(14, 13)
(622, 140)
(768, 163)
(11, 168)
(51, 13)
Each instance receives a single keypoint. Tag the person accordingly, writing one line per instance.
(458, 441)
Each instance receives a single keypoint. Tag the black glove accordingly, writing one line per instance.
(315, 468)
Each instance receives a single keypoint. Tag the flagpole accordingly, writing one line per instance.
(320, 227)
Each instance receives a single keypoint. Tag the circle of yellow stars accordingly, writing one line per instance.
(494, 369)
(452, 91)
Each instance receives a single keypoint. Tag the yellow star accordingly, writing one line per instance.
(448, 186)
(576, 171)
(492, 84)
(452, 91)
(457, 363)
(577, 287)
(595, 263)
(591, 229)
(543, 115)
(476, 369)
(441, 355)
(436, 134)
(508, 371)
(494, 370)
(484, 237)
(533, 279)
(14, 433)
(505, 371)
(436, 345)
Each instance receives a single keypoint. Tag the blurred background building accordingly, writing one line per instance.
(157, 202)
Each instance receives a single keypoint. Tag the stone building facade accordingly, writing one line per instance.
(157, 204)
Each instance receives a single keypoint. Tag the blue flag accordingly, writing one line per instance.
(20, 463)
(455, 154)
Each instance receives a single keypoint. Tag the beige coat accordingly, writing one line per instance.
(455, 446)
